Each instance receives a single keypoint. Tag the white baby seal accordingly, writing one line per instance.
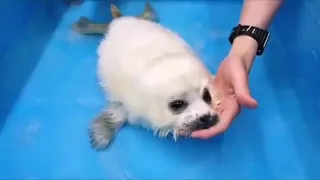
(152, 78)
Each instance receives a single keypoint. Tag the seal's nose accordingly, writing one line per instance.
(206, 121)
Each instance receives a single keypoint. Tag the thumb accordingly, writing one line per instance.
(242, 92)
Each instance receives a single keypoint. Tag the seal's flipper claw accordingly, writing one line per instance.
(101, 134)
(115, 11)
(105, 126)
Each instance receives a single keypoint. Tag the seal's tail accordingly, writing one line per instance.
(105, 126)
(148, 13)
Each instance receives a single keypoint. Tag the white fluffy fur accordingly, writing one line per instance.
(144, 65)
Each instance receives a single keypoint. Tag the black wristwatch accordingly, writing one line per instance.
(258, 34)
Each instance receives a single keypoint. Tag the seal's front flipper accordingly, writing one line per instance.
(86, 26)
(105, 126)
(148, 13)
(115, 11)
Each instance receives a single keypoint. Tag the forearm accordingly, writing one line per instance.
(257, 13)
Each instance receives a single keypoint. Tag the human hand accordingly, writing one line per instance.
(231, 82)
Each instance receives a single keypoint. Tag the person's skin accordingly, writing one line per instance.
(232, 77)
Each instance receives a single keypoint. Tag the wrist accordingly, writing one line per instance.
(245, 48)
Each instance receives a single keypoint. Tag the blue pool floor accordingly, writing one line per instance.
(44, 134)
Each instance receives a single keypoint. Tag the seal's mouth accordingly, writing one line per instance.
(204, 122)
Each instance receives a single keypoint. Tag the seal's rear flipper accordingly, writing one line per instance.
(105, 126)
(87, 26)
(148, 13)
(115, 11)
(148, 8)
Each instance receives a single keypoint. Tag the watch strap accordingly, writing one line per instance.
(260, 35)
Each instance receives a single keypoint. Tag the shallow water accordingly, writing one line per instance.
(49, 95)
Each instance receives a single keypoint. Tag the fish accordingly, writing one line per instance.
(87, 26)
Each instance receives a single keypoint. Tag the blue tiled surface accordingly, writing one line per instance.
(49, 94)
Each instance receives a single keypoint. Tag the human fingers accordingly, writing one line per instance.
(241, 89)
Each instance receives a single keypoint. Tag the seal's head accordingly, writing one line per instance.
(183, 99)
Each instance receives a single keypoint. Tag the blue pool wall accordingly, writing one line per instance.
(297, 27)
(292, 61)
(295, 68)
(23, 24)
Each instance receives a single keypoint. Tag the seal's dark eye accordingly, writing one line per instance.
(206, 96)
(178, 105)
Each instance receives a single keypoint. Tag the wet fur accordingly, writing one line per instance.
(141, 65)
